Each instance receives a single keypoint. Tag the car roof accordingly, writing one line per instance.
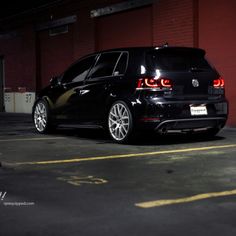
(148, 48)
(142, 50)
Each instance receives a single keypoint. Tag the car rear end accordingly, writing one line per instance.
(178, 90)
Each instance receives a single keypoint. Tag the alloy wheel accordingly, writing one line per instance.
(40, 117)
(119, 121)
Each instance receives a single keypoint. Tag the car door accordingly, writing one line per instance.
(97, 85)
(68, 103)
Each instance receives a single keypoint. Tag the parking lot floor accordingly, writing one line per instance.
(78, 182)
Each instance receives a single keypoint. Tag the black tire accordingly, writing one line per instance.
(120, 122)
(41, 117)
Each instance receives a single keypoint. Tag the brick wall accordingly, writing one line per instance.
(19, 56)
(217, 35)
(173, 22)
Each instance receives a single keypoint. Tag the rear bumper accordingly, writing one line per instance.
(176, 115)
(194, 124)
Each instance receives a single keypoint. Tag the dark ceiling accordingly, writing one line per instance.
(11, 7)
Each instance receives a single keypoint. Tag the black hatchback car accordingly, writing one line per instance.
(166, 89)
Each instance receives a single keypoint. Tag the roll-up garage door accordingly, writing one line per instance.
(125, 29)
(55, 53)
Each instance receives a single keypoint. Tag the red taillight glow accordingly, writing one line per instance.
(152, 82)
(219, 83)
(167, 83)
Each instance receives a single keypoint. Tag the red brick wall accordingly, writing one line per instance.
(55, 54)
(84, 38)
(85, 27)
(20, 62)
(173, 22)
(217, 34)
(124, 29)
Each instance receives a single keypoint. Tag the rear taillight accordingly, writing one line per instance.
(154, 83)
(219, 83)
(166, 83)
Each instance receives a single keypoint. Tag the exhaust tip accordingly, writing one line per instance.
(162, 130)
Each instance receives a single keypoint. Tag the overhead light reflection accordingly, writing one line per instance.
(143, 69)
(158, 74)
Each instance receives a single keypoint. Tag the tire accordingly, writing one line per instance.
(41, 117)
(120, 122)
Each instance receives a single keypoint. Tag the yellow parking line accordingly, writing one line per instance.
(198, 197)
(29, 139)
(124, 155)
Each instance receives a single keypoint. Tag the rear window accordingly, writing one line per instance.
(176, 60)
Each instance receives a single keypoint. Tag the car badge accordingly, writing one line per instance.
(195, 83)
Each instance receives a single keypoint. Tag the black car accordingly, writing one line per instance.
(166, 89)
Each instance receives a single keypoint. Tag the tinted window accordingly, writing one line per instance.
(122, 64)
(105, 65)
(176, 60)
(78, 71)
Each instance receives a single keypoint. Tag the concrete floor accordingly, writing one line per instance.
(77, 182)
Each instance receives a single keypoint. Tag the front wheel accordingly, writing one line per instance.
(120, 122)
(41, 117)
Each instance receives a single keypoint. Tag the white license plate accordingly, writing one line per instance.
(198, 110)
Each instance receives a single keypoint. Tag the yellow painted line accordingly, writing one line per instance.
(124, 155)
(78, 181)
(198, 197)
(30, 139)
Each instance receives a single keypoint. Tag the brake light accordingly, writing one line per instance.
(219, 83)
(167, 83)
(152, 82)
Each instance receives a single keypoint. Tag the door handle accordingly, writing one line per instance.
(81, 91)
(84, 91)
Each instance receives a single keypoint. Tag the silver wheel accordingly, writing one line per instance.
(119, 121)
(40, 117)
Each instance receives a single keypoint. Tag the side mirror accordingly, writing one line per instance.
(54, 81)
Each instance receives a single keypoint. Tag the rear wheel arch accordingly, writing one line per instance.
(110, 102)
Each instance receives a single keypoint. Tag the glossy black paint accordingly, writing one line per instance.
(88, 101)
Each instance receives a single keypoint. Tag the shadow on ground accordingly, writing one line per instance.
(145, 139)
(21, 124)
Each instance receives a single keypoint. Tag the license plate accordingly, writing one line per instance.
(198, 110)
